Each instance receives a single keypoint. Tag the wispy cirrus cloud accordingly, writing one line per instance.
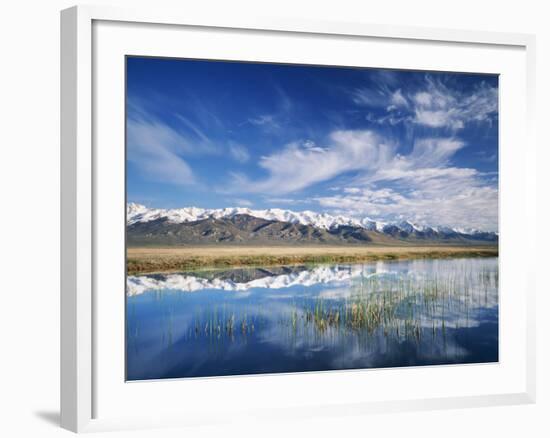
(158, 152)
(265, 120)
(194, 129)
(383, 92)
(372, 97)
(239, 152)
(398, 100)
(432, 104)
(440, 106)
(162, 151)
(301, 164)
(273, 121)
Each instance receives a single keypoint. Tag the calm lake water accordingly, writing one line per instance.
(326, 317)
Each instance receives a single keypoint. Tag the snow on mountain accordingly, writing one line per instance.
(139, 213)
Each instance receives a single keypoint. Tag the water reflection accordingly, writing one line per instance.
(288, 319)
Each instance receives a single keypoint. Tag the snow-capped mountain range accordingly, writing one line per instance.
(137, 213)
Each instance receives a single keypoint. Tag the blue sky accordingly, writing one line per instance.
(389, 145)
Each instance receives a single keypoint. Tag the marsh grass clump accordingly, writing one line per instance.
(404, 307)
(322, 317)
(223, 324)
(361, 312)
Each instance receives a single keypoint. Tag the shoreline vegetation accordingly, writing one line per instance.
(145, 260)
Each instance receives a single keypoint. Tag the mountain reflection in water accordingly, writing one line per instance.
(310, 318)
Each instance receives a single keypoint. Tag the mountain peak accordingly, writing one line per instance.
(138, 213)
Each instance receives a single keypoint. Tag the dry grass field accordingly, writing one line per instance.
(149, 260)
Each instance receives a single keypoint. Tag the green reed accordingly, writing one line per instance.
(400, 306)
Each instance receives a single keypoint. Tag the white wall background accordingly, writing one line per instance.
(29, 215)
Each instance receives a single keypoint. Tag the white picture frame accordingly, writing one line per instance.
(83, 175)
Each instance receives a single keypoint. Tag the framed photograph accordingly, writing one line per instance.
(291, 218)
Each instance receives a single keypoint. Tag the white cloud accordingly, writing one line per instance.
(429, 157)
(277, 200)
(442, 107)
(300, 165)
(397, 99)
(422, 187)
(434, 104)
(352, 190)
(266, 121)
(438, 119)
(381, 92)
(423, 98)
(156, 149)
(373, 97)
(390, 118)
(434, 151)
(239, 152)
(275, 121)
(193, 128)
(452, 201)
(243, 203)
